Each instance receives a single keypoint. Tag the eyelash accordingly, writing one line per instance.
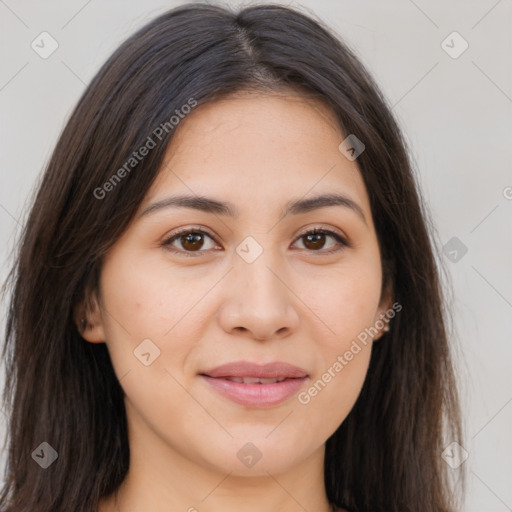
(342, 243)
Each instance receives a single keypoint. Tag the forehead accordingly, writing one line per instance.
(259, 149)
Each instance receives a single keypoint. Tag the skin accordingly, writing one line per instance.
(294, 303)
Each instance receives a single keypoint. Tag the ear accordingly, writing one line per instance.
(89, 320)
(382, 321)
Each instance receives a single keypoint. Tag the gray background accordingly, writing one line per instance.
(456, 114)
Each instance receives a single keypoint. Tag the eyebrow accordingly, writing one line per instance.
(214, 206)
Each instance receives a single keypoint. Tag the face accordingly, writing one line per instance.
(244, 279)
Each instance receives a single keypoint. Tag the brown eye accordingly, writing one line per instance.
(316, 239)
(191, 241)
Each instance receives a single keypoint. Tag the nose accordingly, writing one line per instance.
(259, 302)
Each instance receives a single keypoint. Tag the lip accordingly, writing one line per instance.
(257, 394)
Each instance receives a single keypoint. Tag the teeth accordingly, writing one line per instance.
(255, 380)
(250, 380)
(269, 381)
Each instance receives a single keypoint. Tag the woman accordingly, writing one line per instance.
(225, 294)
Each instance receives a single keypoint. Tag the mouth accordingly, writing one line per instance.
(254, 385)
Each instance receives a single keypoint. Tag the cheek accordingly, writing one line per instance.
(151, 301)
(347, 303)
(343, 367)
(148, 299)
(332, 395)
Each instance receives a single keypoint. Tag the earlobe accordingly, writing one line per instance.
(90, 323)
(382, 320)
(92, 332)
(383, 325)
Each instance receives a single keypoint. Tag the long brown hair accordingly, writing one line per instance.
(386, 455)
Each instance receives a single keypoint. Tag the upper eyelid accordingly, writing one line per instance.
(189, 229)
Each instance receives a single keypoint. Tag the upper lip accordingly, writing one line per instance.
(277, 369)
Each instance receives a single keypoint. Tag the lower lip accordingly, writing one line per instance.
(256, 395)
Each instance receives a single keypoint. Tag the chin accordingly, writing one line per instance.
(257, 455)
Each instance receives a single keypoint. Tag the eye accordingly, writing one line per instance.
(315, 240)
(191, 241)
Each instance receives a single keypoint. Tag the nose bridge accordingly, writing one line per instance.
(261, 284)
(260, 301)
